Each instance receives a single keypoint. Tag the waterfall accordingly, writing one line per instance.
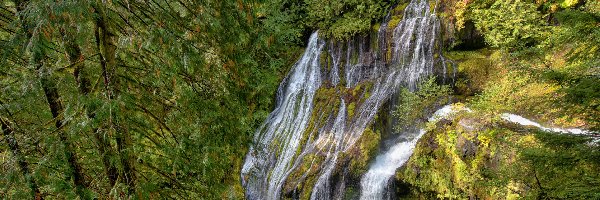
(276, 141)
(375, 182)
(292, 137)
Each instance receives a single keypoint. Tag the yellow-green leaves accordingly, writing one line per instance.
(510, 24)
(342, 19)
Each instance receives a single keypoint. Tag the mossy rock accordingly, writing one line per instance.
(475, 68)
(508, 161)
(363, 152)
(301, 180)
(396, 16)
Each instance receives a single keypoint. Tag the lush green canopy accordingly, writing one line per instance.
(155, 99)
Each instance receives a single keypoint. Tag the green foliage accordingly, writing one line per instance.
(338, 19)
(475, 69)
(413, 106)
(341, 19)
(553, 43)
(498, 160)
(561, 70)
(177, 88)
(284, 19)
(543, 64)
(176, 99)
(513, 92)
(510, 24)
(564, 167)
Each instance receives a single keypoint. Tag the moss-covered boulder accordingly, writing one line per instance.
(478, 157)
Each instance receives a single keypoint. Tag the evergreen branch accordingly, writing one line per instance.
(169, 12)
(71, 65)
(178, 22)
(134, 14)
(160, 172)
(186, 7)
(122, 30)
(160, 122)
(143, 13)
(7, 10)
(7, 30)
(3, 17)
(10, 114)
(127, 22)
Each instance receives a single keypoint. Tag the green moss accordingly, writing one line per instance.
(326, 103)
(475, 69)
(397, 15)
(376, 27)
(500, 167)
(394, 21)
(316, 160)
(389, 53)
(432, 5)
(367, 91)
(351, 193)
(354, 57)
(325, 60)
(351, 107)
(443, 169)
(399, 10)
(310, 166)
(356, 90)
(367, 149)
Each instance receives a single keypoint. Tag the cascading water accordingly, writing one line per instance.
(275, 143)
(526, 122)
(375, 182)
(291, 137)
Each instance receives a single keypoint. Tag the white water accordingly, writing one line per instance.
(276, 150)
(574, 131)
(375, 182)
(526, 122)
(275, 143)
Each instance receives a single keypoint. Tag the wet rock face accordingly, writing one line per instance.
(467, 147)
(466, 140)
(327, 106)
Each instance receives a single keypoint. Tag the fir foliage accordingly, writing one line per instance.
(158, 99)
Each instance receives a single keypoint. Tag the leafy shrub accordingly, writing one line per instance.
(341, 19)
(413, 106)
(510, 24)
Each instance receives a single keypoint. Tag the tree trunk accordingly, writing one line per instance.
(105, 41)
(23, 165)
(84, 84)
(53, 98)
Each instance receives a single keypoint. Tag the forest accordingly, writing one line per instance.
(300, 99)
